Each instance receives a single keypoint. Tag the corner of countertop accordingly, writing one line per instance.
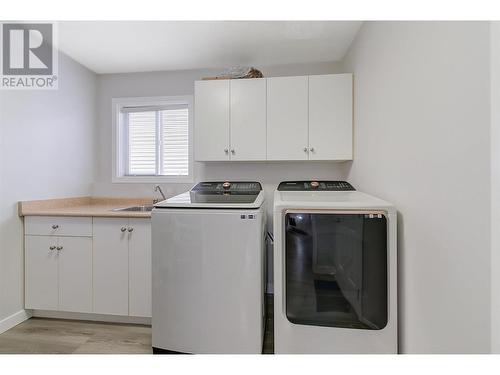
(80, 206)
(24, 207)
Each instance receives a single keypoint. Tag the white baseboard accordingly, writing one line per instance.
(91, 317)
(14, 319)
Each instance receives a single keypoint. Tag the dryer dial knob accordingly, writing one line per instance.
(226, 185)
(314, 184)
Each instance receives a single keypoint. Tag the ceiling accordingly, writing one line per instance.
(138, 46)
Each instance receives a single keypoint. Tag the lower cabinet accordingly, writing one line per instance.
(139, 268)
(75, 274)
(108, 272)
(41, 268)
(59, 273)
(122, 266)
(110, 266)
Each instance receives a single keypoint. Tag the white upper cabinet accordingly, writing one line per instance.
(278, 118)
(248, 119)
(330, 117)
(212, 120)
(287, 133)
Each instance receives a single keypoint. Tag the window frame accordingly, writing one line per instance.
(120, 145)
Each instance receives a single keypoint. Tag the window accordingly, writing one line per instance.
(153, 139)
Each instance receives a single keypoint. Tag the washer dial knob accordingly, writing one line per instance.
(226, 185)
(314, 184)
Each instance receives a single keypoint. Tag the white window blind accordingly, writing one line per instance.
(142, 143)
(175, 142)
(158, 140)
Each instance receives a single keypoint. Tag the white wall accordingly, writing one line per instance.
(46, 151)
(422, 142)
(182, 83)
(495, 185)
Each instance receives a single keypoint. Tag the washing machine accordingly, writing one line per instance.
(335, 270)
(208, 270)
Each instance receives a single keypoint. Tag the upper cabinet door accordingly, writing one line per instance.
(212, 120)
(248, 119)
(287, 133)
(330, 117)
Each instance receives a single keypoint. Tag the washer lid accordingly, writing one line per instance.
(222, 194)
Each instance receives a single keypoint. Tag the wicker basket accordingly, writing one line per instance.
(237, 73)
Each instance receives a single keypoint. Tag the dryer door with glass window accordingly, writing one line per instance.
(336, 269)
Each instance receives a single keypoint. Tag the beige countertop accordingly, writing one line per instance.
(84, 206)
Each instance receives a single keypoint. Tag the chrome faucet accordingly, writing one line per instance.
(158, 188)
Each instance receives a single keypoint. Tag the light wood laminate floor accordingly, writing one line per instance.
(59, 336)
(56, 336)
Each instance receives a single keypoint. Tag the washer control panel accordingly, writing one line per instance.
(227, 186)
(315, 186)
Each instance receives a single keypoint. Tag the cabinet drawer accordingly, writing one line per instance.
(58, 225)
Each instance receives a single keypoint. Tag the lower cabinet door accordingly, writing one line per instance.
(140, 267)
(110, 266)
(75, 274)
(41, 273)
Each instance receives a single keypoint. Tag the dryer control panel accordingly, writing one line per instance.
(315, 186)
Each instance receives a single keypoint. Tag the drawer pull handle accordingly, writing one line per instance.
(55, 226)
(59, 247)
(130, 229)
(123, 229)
(52, 247)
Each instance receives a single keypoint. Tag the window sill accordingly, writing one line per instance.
(153, 179)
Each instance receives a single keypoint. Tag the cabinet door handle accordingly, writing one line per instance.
(130, 229)
(52, 247)
(55, 226)
(232, 151)
(59, 247)
(123, 229)
(312, 149)
(226, 150)
(305, 149)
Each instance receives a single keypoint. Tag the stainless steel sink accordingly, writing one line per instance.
(135, 208)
